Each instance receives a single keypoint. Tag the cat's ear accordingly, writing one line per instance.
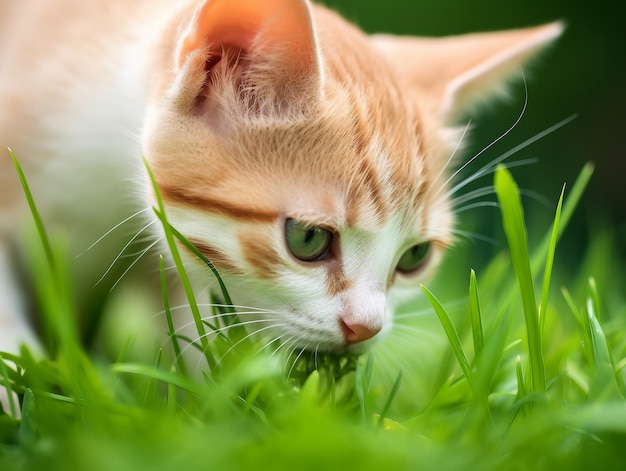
(269, 44)
(453, 74)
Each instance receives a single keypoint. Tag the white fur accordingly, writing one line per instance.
(301, 311)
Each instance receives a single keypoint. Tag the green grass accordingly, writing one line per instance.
(522, 374)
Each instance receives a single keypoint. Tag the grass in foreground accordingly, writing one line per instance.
(523, 377)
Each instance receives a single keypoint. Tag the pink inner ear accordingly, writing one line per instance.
(280, 26)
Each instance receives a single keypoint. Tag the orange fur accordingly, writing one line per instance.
(250, 112)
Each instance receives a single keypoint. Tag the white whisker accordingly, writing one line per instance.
(472, 237)
(236, 306)
(293, 365)
(471, 195)
(219, 360)
(269, 343)
(223, 328)
(121, 252)
(490, 167)
(111, 230)
(291, 352)
(453, 153)
(288, 341)
(145, 251)
(480, 204)
(213, 316)
(541, 199)
(427, 311)
(494, 142)
(195, 342)
(317, 347)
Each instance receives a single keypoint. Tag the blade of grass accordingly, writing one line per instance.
(158, 374)
(569, 206)
(193, 305)
(180, 362)
(151, 388)
(208, 263)
(547, 274)
(605, 381)
(363, 384)
(41, 230)
(238, 332)
(452, 335)
(475, 314)
(56, 299)
(392, 394)
(6, 382)
(28, 426)
(515, 230)
(582, 323)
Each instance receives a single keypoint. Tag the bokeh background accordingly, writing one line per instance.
(582, 75)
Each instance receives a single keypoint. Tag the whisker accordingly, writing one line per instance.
(427, 311)
(268, 344)
(392, 358)
(293, 365)
(111, 230)
(213, 316)
(317, 347)
(456, 149)
(223, 328)
(479, 204)
(291, 352)
(219, 360)
(218, 331)
(288, 341)
(541, 199)
(121, 252)
(146, 250)
(236, 306)
(411, 315)
(472, 236)
(494, 142)
(471, 195)
(413, 329)
(484, 191)
(489, 168)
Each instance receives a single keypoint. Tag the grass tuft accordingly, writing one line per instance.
(506, 381)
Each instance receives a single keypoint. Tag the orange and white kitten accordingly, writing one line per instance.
(303, 157)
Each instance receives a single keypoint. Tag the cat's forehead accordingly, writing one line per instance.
(337, 172)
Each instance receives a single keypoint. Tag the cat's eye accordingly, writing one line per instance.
(307, 243)
(414, 258)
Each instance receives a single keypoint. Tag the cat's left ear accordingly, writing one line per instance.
(453, 74)
(269, 44)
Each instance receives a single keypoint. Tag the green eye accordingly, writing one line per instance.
(414, 258)
(307, 243)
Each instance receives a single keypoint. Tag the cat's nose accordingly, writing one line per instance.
(355, 333)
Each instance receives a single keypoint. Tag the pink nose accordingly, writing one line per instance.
(355, 333)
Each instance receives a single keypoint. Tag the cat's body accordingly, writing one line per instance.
(261, 120)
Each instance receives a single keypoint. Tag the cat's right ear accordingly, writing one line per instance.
(453, 74)
(265, 49)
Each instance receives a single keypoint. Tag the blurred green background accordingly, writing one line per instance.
(583, 75)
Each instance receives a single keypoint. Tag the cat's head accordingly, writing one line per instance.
(307, 160)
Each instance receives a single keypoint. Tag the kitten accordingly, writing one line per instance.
(304, 158)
